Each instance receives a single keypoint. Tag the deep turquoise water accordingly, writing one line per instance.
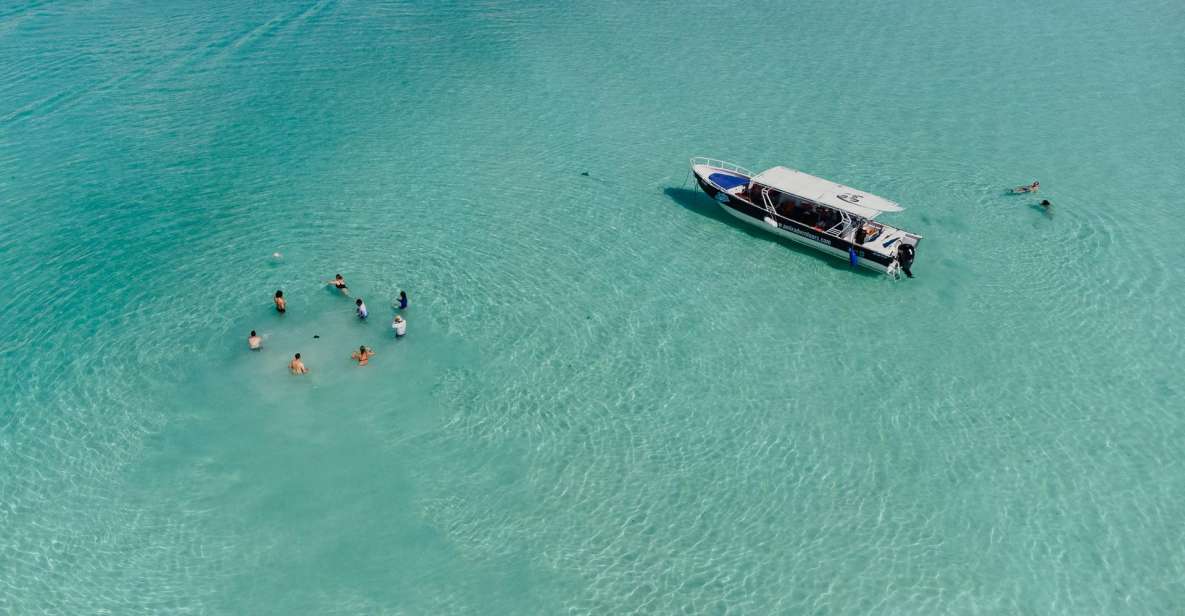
(612, 399)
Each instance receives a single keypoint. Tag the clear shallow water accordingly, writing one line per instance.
(612, 399)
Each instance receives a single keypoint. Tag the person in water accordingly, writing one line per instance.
(402, 300)
(339, 283)
(1031, 188)
(400, 326)
(362, 311)
(281, 303)
(296, 366)
(905, 258)
(254, 342)
(363, 355)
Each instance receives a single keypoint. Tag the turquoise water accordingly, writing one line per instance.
(612, 398)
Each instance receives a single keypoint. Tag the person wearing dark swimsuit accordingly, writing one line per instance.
(339, 283)
(905, 258)
(402, 300)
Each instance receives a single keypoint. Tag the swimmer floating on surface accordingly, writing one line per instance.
(1031, 188)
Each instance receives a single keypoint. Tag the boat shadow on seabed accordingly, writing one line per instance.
(695, 201)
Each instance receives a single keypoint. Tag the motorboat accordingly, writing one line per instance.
(830, 217)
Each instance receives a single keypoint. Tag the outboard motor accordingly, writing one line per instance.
(905, 258)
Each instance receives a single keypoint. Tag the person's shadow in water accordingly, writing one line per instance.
(695, 201)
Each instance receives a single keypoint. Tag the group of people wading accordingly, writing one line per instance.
(364, 353)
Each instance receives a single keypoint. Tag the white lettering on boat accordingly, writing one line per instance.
(804, 234)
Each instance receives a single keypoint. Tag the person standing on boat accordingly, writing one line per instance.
(810, 217)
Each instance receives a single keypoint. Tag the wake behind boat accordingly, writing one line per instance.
(830, 217)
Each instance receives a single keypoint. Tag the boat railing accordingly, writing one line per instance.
(721, 164)
(769, 208)
(844, 222)
(769, 204)
(773, 214)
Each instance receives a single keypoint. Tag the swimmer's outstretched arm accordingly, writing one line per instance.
(333, 283)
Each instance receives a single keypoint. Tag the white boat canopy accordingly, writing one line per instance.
(825, 192)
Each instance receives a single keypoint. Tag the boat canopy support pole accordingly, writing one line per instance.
(769, 205)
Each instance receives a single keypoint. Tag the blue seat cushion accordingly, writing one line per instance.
(726, 181)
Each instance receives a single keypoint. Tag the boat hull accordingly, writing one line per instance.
(837, 247)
